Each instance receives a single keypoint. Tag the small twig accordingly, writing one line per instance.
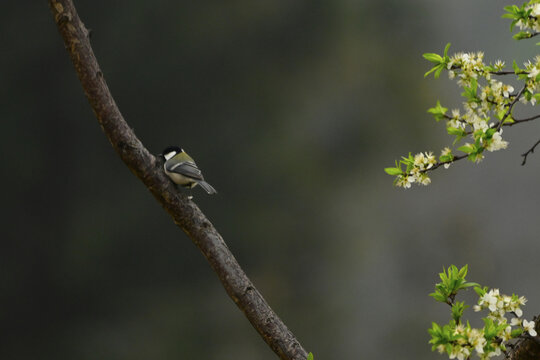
(517, 121)
(531, 150)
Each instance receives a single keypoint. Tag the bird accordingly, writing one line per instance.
(182, 170)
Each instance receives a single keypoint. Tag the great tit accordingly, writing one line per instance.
(182, 170)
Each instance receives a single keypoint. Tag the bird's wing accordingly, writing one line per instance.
(186, 168)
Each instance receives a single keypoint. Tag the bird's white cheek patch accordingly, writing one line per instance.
(169, 155)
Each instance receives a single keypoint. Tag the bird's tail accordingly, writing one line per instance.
(207, 187)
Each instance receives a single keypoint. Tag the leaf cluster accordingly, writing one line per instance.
(453, 280)
(444, 336)
(520, 15)
(441, 62)
(408, 162)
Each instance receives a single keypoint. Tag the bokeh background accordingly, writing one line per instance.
(292, 109)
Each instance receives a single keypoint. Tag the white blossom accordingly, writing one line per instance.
(497, 143)
(529, 326)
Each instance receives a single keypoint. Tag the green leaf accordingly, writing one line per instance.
(452, 280)
(310, 356)
(489, 133)
(463, 271)
(516, 332)
(446, 50)
(508, 16)
(513, 10)
(468, 149)
(443, 276)
(455, 131)
(457, 310)
(512, 14)
(440, 293)
(474, 156)
(446, 158)
(522, 35)
(438, 111)
(439, 61)
(408, 162)
(469, 284)
(453, 271)
(480, 291)
(515, 67)
(516, 14)
(470, 91)
(501, 114)
(432, 57)
(432, 70)
(509, 120)
(394, 171)
(438, 71)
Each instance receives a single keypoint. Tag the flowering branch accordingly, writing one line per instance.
(485, 99)
(458, 339)
(446, 163)
(510, 107)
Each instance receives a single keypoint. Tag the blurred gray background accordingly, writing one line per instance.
(292, 109)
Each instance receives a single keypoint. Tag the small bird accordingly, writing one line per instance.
(182, 170)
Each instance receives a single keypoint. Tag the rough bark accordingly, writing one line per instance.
(527, 348)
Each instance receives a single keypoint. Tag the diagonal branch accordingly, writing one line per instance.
(149, 170)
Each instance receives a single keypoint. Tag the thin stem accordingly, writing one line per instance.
(518, 121)
(531, 150)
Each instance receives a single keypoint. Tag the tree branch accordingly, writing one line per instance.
(149, 170)
(439, 164)
(517, 121)
(531, 150)
(497, 126)
(502, 72)
(526, 347)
